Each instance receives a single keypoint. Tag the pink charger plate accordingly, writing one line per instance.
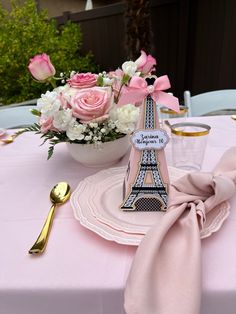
(96, 203)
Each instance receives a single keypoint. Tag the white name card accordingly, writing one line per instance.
(150, 139)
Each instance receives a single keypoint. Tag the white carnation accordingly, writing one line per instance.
(125, 118)
(67, 92)
(62, 119)
(49, 104)
(75, 130)
(129, 68)
(62, 89)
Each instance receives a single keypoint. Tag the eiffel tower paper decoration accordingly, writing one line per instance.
(146, 181)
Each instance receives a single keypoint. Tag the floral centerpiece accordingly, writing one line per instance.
(87, 107)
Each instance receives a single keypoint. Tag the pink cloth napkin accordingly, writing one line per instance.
(165, 276)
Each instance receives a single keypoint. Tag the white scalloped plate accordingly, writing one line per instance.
(96, 203)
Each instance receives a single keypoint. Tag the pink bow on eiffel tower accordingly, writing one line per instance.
(138, 89)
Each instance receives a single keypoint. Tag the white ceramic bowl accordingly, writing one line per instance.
(106, 155)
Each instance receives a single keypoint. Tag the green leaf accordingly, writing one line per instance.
(50, 152)
(33, 128)
(100, 80)
(125, 79)
(35, 112)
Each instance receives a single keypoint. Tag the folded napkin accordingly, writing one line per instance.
(165, 276)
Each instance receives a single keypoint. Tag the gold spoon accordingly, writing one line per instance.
(233, 116)
(11, 138)
(8, 140)
(59, 194)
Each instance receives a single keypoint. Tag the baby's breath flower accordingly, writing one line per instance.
(107, 81)
(111, 124)
(72, 73)
(88, 138)
(93, 124)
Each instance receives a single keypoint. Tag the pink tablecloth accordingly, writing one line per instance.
(81, 272)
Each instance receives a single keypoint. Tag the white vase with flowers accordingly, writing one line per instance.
(85, 109)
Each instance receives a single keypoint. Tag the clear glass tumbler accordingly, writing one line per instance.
(166, 113)
(189, 141)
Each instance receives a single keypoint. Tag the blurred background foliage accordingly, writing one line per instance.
(25, 32)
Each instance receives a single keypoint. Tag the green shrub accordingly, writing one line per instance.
(24, 32)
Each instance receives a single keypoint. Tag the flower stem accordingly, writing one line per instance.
(117, 98)
(52, 82)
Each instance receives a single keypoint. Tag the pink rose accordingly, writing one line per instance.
(117, 75)
(45, 123)
(83, 80)
(41, 67)
(145, 63)
(92, 104)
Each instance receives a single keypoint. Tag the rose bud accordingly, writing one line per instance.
(41, 67)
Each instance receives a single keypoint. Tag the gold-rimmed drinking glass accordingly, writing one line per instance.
(189, 140)
(166, 113)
